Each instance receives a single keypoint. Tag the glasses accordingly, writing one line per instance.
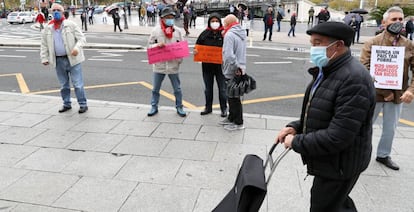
(56, 10)
(396, 19)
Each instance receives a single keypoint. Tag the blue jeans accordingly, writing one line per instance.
(175, 82)
(292, 30)
(278, 26)
(64, 71)
(391, 113)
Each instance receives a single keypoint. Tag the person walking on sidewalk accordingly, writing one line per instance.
(334, 132)
(390, 101)
(311, 14)
(164, 33)
(116, 17)
(212, 37)
(279, 16)
(292, 24)
(234, 63)
(268, 20)
(61, 47)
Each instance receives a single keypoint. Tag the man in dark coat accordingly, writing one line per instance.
(334, 132)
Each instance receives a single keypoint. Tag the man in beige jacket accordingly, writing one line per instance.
(61, 47)
(390, 101)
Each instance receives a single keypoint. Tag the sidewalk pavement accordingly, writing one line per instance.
(115, 158)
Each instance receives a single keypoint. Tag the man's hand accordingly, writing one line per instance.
(195, 51)
(389, 98)
(74, 52)
(161, 45)
(46, 63)
(288, 141)
(239, 72)
(407, 97)
(283, 133)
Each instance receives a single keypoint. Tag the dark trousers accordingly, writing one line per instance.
(116, 23)
(332, 195)
(235, 110)
(270, 29)
(310, 20)
(208, 77)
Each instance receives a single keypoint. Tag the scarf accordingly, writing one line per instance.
(168, 30)
(229, 27)
(57, 23)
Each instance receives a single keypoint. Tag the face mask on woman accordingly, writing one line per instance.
(318, 55)
(214, 25)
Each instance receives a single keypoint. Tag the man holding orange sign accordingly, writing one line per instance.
(208, 50)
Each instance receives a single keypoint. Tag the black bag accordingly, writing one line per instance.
(250, 188)
(240, 85)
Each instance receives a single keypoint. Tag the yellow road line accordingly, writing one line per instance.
(409, 123)
(169, 96)
(90, 87)
(20, 81)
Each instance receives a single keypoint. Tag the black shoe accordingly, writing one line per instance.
(388, 163)
(223, 114)
(83, 109)
(152, 112)
(64, 109)
(270, 39)
(206, 111)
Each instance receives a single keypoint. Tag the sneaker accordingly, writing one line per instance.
(225, 121)
(232, 127)
(181, 112)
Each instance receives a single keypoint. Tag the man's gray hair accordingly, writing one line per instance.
(392, 10)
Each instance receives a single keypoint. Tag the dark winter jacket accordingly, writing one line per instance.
(335, 129)
(211, 37)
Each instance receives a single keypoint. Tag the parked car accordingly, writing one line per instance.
(20, 17)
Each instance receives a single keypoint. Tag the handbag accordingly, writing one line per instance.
(240, 85)
(250, 188)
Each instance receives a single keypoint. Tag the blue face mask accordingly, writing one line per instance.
(318, 55)
(169, 22)
(57, 15)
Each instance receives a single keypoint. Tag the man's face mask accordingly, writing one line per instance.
(57, 15)
(318, 55)
(169, 22)
(395, 28)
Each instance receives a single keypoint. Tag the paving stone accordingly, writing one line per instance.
(95, 194)
(209, 199)
(259, 136)
(33, 107)
(7, 206)
(132, 114)
(202, 174)
(98, 142)
(145, 146)
(165, 116)
(96, 125)
(191, 150)
(19, 135)
(39, 208)
(196, 118)
(153, 197)
(60, 122)
(39, 188)
(25, 120)
(150, 170)
(10, 154)
(234, 153)
(10, 176)
(137, 128)
(180, 131)
(48, 159)
(95, 164)
(253, 122)
(3, 128)
(97, 112)
(55, 138)
(218, 134)
(6, 115)
(6, 105)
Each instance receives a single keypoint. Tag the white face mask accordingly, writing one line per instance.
(214, 25)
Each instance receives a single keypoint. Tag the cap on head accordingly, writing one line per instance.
(337, 30)
(167, 11)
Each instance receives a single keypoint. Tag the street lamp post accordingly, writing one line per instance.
(125, 16)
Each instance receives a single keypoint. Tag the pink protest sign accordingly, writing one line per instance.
(170, 51)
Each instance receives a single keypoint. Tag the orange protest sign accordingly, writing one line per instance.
(208, 54)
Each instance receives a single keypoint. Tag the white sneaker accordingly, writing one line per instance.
(232, 127)
(225, 121)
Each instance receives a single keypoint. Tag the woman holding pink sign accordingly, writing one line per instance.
(163, 34)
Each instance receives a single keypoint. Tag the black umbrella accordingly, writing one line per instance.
(359, 11)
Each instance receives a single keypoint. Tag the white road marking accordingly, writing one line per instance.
(15, 56)
(270, 63)
(107, 60)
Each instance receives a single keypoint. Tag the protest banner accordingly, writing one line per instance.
(169, 52)
(208, 54)
(387, 66)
